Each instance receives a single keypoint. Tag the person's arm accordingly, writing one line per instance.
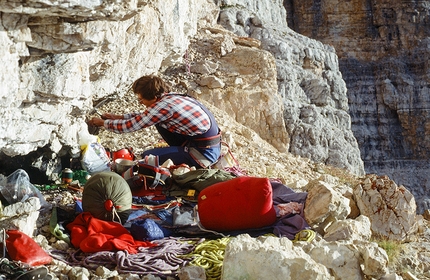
(106, 116)
(109, 116)
(130, 122)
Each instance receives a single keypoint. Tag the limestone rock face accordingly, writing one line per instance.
(21, 216)
(248, 258)
(358, 229)
(279, 258)
(324, 205)
(350, 261)
(240, 80)
(309, 81)
(60, 59)
(390, 208)
(383, 50)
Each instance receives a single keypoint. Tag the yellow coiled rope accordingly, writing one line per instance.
(210, 255)
(307, 235)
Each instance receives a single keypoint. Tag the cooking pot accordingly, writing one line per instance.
(122, 165)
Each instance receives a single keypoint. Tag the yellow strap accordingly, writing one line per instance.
(307, 235)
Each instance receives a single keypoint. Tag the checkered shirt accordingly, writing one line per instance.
(174, 112)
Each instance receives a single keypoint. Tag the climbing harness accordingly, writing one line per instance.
(206, 142)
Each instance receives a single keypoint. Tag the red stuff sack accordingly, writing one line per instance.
(237, 204)
(21, 247)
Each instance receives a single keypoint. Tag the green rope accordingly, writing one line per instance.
(210, 255)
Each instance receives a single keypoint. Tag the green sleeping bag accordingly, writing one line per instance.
(107, 196)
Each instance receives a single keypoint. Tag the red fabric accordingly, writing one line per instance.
(94, 235)
(237, 204)
(22, 247)
(157, 191)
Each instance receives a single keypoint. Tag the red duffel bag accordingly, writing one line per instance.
(237, 204)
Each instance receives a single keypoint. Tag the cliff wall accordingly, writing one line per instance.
(383, 49)
(61, 58)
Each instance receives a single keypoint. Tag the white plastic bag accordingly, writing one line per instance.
(93, 155)
(17, 188)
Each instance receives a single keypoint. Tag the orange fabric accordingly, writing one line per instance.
(94, 235)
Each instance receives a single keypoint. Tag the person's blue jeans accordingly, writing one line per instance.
(180, 155)
(176, 153)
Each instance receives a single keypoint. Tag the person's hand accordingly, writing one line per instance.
(109, 116)
(96, 121)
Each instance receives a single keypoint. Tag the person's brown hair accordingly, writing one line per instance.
(150, 87)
